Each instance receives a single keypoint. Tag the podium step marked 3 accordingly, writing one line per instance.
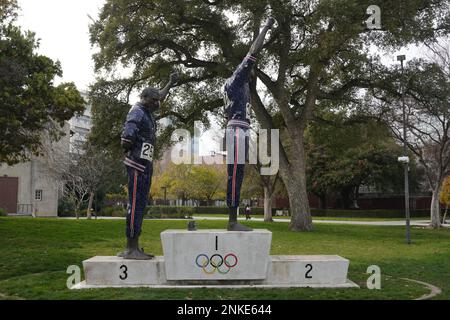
(217, 259)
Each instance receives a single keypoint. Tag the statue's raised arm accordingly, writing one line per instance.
(242, 74)
(259, 41)
(236, 95)
(174, 78)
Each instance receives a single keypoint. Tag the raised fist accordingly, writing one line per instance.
(174, 78)
(270, 22)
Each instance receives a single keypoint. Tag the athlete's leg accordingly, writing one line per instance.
(143, 188)
(235, 170)
(132, 200)
(132, 187)
(138, 186)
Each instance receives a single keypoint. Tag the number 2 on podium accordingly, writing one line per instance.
(309, 268)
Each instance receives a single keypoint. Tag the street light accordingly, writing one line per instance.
(405, 159)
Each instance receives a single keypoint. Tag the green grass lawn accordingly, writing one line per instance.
(35, 254)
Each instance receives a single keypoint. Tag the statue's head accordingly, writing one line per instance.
(150, 98)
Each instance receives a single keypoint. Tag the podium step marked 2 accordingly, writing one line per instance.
(217, 259)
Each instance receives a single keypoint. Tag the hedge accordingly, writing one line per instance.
(224, 210)
(112, 211)
(172, 211)
(2, 212)
(161, 212)
(182, 212)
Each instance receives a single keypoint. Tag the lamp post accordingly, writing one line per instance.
(405, 159)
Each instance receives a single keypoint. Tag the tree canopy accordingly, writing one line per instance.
(201, 182)
(30, 103)
(346, 152)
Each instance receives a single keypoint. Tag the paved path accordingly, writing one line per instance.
(421, 223)
(418, 223)
(434, 291)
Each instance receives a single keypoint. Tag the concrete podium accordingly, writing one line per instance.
(216, 254)
(217, 258)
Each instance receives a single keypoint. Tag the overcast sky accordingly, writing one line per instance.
(63, 29)
(62, 26)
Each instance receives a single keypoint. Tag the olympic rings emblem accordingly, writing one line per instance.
(223, 265)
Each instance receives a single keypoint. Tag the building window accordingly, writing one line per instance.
(38, 195)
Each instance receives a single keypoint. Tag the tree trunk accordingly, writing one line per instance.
(445, 214)
(77, 210)
(435, 208)
(355, 195)
(301, 217)
(295, 183)
(292, 170)
(293, 175)
(322, 201)
(268, 204)
(91, 199)
(345, 198)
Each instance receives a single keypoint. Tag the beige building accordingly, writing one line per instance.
(29, 188)
(32, 188)
(80, 127)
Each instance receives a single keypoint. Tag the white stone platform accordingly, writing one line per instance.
(216, 254)
(283, 272)
(308, 270)
(117, 271)
(217, 259)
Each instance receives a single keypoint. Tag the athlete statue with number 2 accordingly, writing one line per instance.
(237, 104)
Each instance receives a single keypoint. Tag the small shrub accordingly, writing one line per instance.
(113, 211)
(2, 212)
(169, 212)
(119, 213)
(210, 210)
(66, 208)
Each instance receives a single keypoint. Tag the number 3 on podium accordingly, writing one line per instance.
(124, 274)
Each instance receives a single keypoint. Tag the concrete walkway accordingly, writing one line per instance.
(417, 223)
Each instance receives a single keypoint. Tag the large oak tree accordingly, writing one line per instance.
(317, 55)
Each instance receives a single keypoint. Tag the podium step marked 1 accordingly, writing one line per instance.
(216, 254)
(217, 258)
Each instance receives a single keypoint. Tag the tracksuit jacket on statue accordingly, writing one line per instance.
(140, 131)
(237, 104)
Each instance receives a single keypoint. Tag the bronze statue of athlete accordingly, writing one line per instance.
(237, 104)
